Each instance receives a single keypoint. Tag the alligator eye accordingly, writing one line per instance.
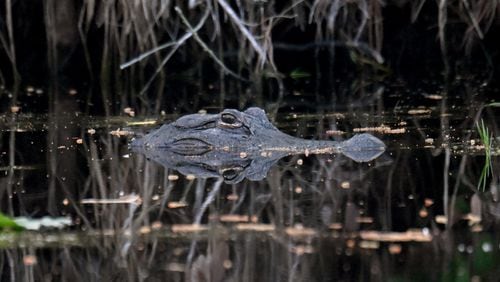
(230, 120)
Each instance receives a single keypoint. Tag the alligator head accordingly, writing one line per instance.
(236, 144)
(229, 130)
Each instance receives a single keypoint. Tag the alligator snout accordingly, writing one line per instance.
(183, 146)
(189, 147)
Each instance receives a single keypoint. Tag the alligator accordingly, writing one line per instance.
(235, 145)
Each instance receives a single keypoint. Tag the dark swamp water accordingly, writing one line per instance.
(427, 209)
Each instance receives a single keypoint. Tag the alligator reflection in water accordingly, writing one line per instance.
(235, 145)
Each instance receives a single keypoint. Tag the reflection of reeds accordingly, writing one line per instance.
(292, 209)
(486, 138)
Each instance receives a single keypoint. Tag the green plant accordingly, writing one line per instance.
(8, 223)
(486, 138)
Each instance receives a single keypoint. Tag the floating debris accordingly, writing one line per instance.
(30, 260)
(15, 109)
(237, 218)
(335, 132)
(145, 122)
(227, 264)
(119, 132)
(350, 243)
(188, 228)
(129, 111)
(177, 205)
(396, 131)
(173, 177)
(472, 218)
(300, 231)
(423, 213)
(364, 219)
(381, 129)
(335, 226)
(302, 249)
(476, 228)
(176, 267)
(345, 185)
(419, 111)
(369, 244)
(441, 219)
(255, 227)
(91, 131)
(410, 235)
(433, 96)
(428, 202)
(127, 199)
(156, 225)
(145, 230)
(395, 249)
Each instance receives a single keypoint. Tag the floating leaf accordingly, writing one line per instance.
(44, 222)
(298, 74)
(8, 223)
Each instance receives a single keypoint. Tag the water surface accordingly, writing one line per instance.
(318, 217)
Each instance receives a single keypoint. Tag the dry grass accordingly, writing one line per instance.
(148, 38)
